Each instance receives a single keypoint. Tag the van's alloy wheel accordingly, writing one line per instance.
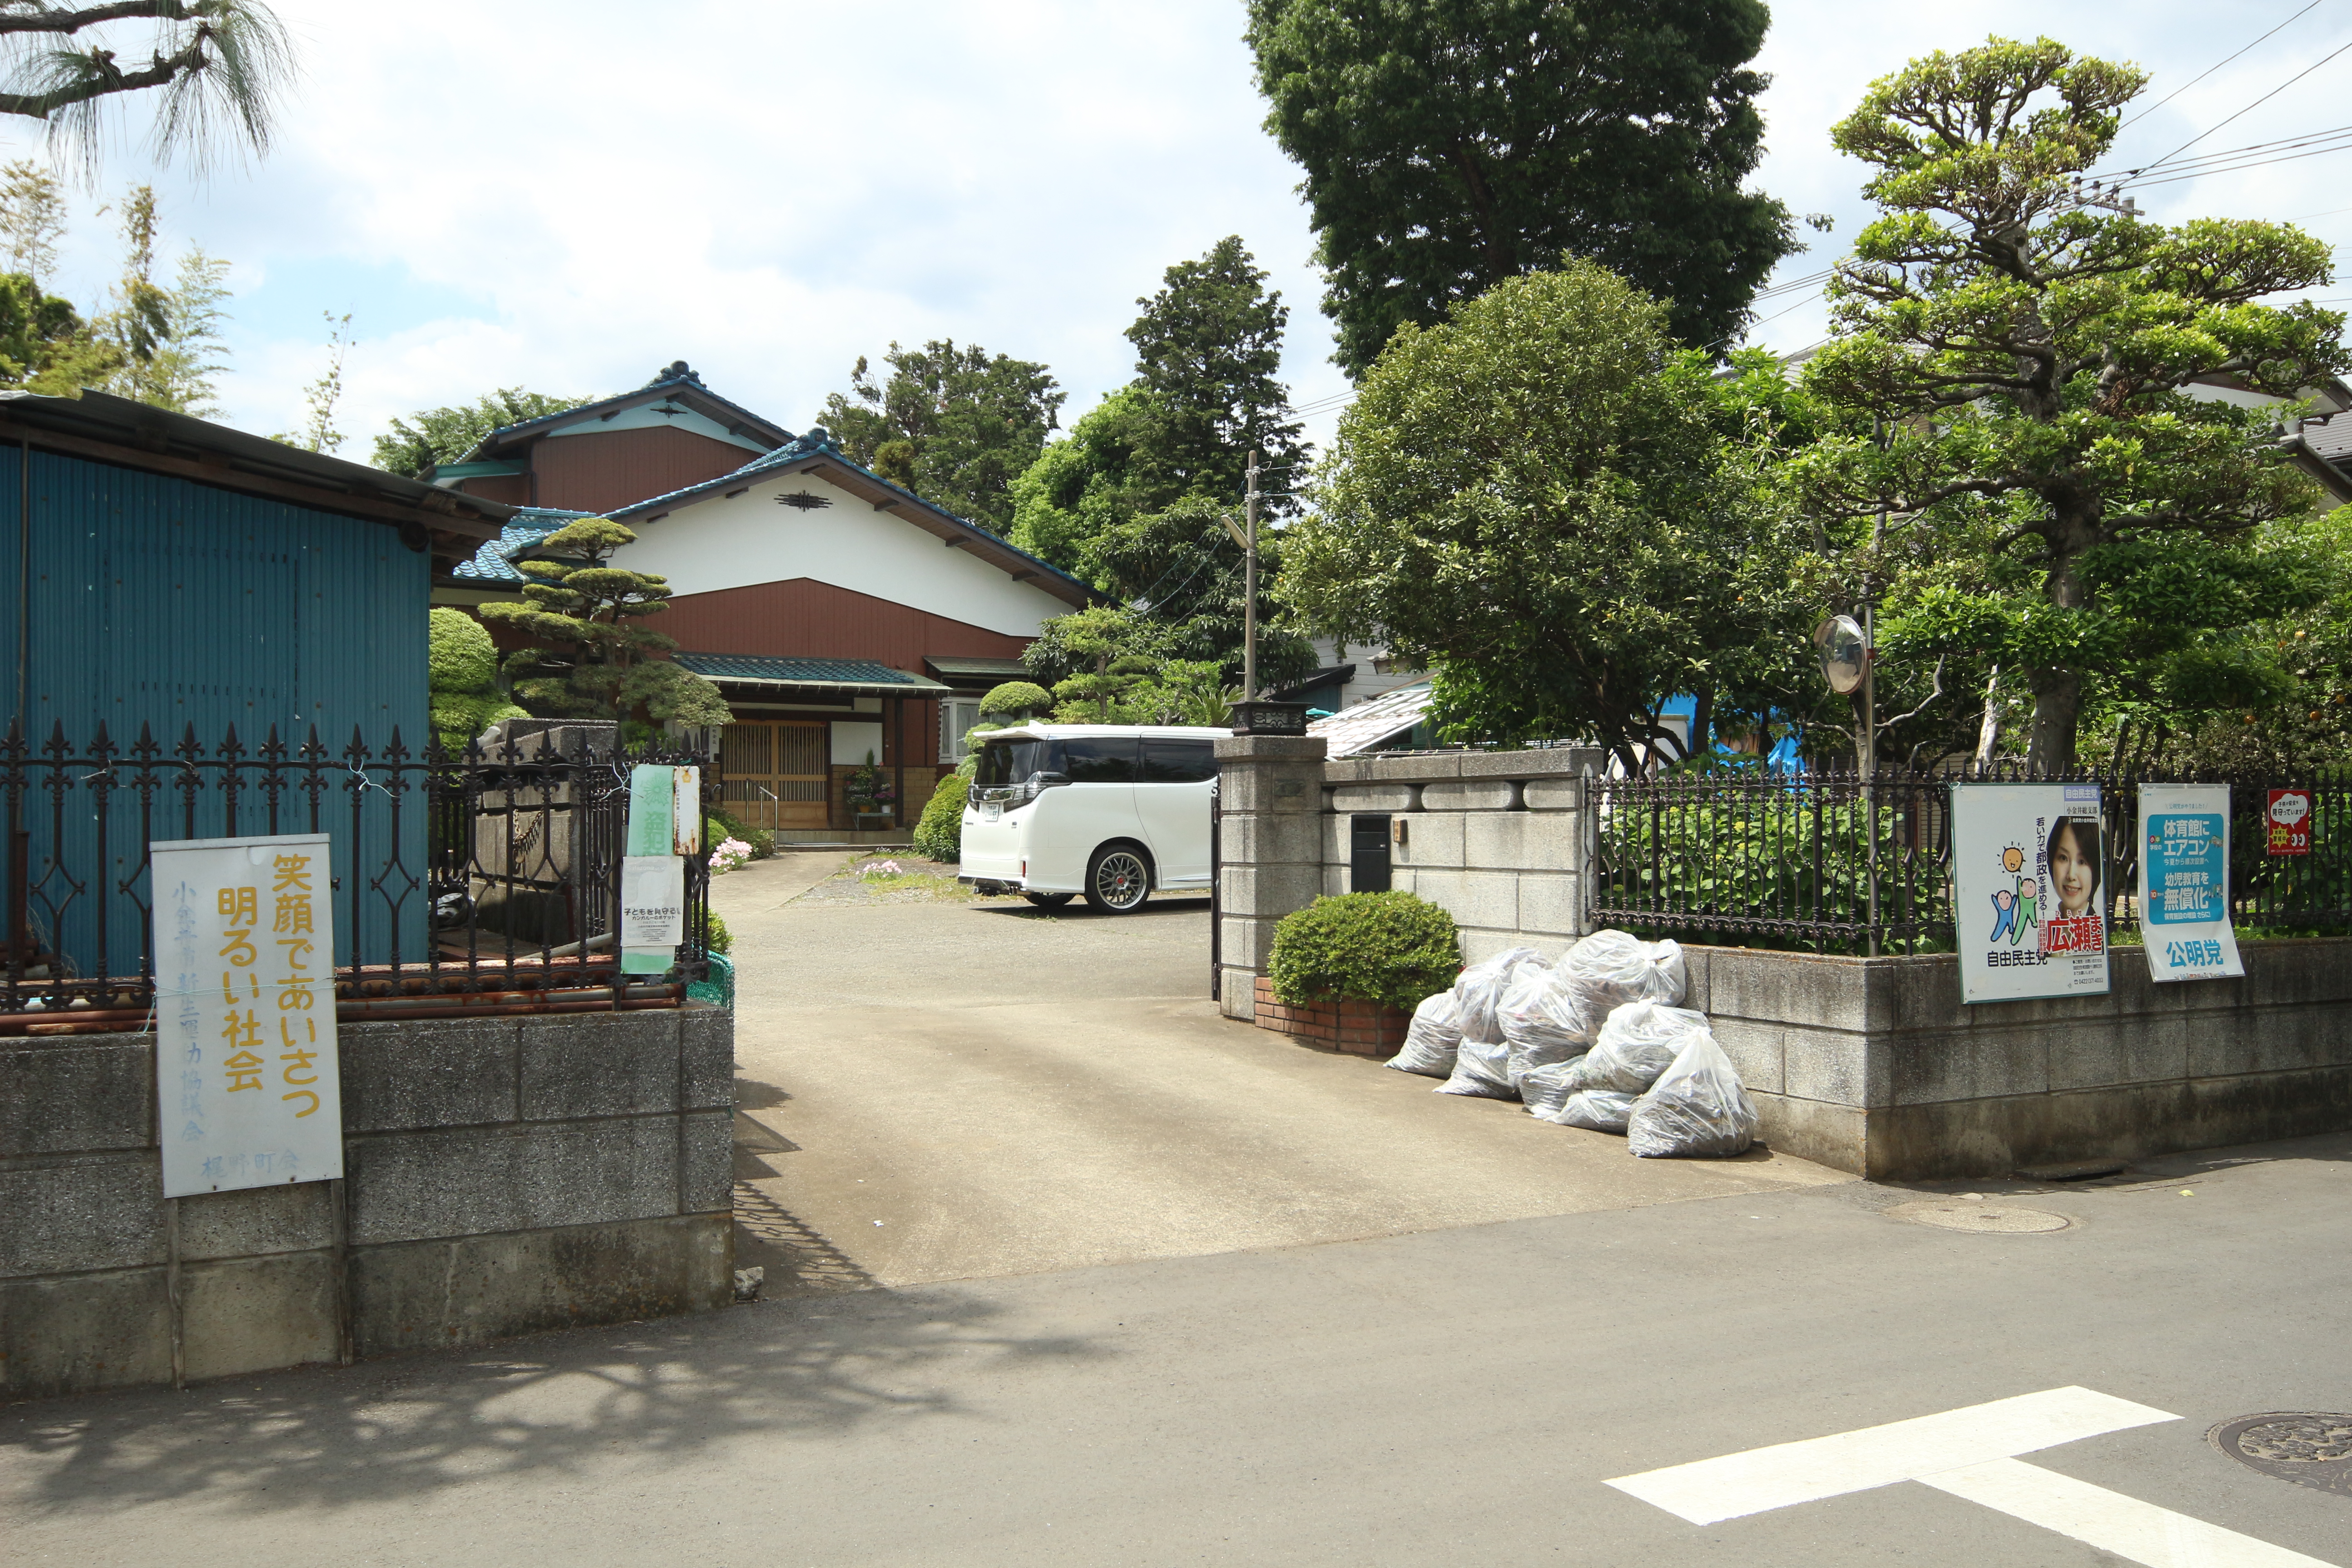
(1117, 881)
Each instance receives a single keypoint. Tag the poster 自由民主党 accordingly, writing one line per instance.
(2028, 872)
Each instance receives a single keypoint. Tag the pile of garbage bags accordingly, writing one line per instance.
(1600, 1039)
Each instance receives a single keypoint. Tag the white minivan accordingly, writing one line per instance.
(1111, 811)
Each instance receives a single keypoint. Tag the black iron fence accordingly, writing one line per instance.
(463, 882)
(1833, 863)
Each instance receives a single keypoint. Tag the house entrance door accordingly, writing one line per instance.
(778, 774)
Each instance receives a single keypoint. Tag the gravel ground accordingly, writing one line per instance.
(916, 882)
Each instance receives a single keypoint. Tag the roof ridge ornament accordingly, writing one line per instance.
(676, 370)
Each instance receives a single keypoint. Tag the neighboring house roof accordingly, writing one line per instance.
(814, 453)
(1365, 726)
(137, 434)
(494, 561)
(863, 677)
(977, 672)
(675, 383)
(1329, 674)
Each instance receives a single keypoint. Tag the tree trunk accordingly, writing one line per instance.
(2058, 690)
(2057, 709)
(1989, 731)
(1702, 726)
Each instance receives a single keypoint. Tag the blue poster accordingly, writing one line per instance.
(2184, 880)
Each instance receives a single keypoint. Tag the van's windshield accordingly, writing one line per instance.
(1005, 763)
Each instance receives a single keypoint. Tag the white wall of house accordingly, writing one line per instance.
(1369, 681)
(738, 541)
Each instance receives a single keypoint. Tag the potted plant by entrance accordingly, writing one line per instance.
(872, 801)
(1346, 971)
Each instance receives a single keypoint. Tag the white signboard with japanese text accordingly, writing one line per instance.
(245, 1069)
(2029, 905)
(2184, 882)
(665, 827)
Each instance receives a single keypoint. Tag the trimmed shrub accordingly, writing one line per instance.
(1365, 947)
(1016, 696)
(938, 835)
(763, 842)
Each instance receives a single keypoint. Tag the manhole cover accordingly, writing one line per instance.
(2310, 1447)
(1984, 1219)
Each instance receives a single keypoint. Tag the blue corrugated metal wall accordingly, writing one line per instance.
(158, 601)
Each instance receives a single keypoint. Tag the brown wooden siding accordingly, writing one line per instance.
(803, 618)
(612, 469)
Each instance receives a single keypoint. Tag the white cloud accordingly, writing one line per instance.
(569, 196)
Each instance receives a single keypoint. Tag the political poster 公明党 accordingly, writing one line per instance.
(2028, 875)
(2184, 882)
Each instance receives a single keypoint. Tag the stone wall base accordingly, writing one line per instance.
(1998, 1136)
(1358, 1028)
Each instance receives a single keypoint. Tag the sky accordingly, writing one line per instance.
(567, 196)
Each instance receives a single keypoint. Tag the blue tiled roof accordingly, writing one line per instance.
(808, 671)
(494, 561)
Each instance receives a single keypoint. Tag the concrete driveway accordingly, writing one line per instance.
(938, 1091)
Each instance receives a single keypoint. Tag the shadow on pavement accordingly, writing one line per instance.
(405, 1428)
(1078, 909)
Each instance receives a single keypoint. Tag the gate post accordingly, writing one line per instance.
(1270, 814)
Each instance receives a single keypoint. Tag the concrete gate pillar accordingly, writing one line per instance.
(1270, 851)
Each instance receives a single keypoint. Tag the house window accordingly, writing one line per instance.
(956, 720)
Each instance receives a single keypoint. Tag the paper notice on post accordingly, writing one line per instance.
(653, 901)
(2184, 882)
(245, 1074)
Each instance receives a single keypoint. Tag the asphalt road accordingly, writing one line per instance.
(1447, 1391)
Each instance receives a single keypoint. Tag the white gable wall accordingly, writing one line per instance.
(645, 418)
(739, 542)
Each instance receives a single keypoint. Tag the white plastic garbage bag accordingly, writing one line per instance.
(1611, 968)
(1697, 1109)
(1601, 1110)
(1544, 1088)
(1431, 1039)
(1478, 992)
(1544, 1022)
(1640, 1041)
(1481, 1068)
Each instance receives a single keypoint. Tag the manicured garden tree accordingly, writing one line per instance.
(1393, 948)
(2020, 371)
(464, 680)
(592, 656)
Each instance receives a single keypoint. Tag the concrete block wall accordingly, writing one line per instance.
(502, 1175)
(1875, 1066)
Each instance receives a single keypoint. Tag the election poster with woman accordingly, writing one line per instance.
(2028, 875)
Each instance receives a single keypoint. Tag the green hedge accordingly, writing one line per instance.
(716, 937)
(1365, 947)
(938, 834)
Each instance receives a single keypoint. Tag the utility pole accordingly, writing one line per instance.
(1249, 587)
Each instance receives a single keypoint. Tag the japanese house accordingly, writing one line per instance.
(844, 618)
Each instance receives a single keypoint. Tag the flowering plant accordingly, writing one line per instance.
(729, 855)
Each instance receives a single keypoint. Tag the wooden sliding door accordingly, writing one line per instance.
(777, 775)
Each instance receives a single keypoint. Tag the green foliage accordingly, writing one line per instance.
(1131, 500)
(462, 679)
(44, 346)
(218, 69)
(593, 658)
(1365, 947)
(865, 789)
(956, 425)
(435, 436)
(1016, 696)
(716, 937)
(763, 842)
(320, 397)
(1566, 522)
(2010, 383)
(939, 833)
(1451, 145)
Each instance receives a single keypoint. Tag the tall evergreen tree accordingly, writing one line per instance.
(432, 436)
(955, 425)
(1451, 145)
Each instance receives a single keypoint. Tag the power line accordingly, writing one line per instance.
(2208, 70)
(2248, 109)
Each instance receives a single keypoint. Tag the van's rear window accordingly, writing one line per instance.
(1007, 763)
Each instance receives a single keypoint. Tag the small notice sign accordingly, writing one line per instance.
(2287, 816)
(246, 1077)
(2184, 880)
